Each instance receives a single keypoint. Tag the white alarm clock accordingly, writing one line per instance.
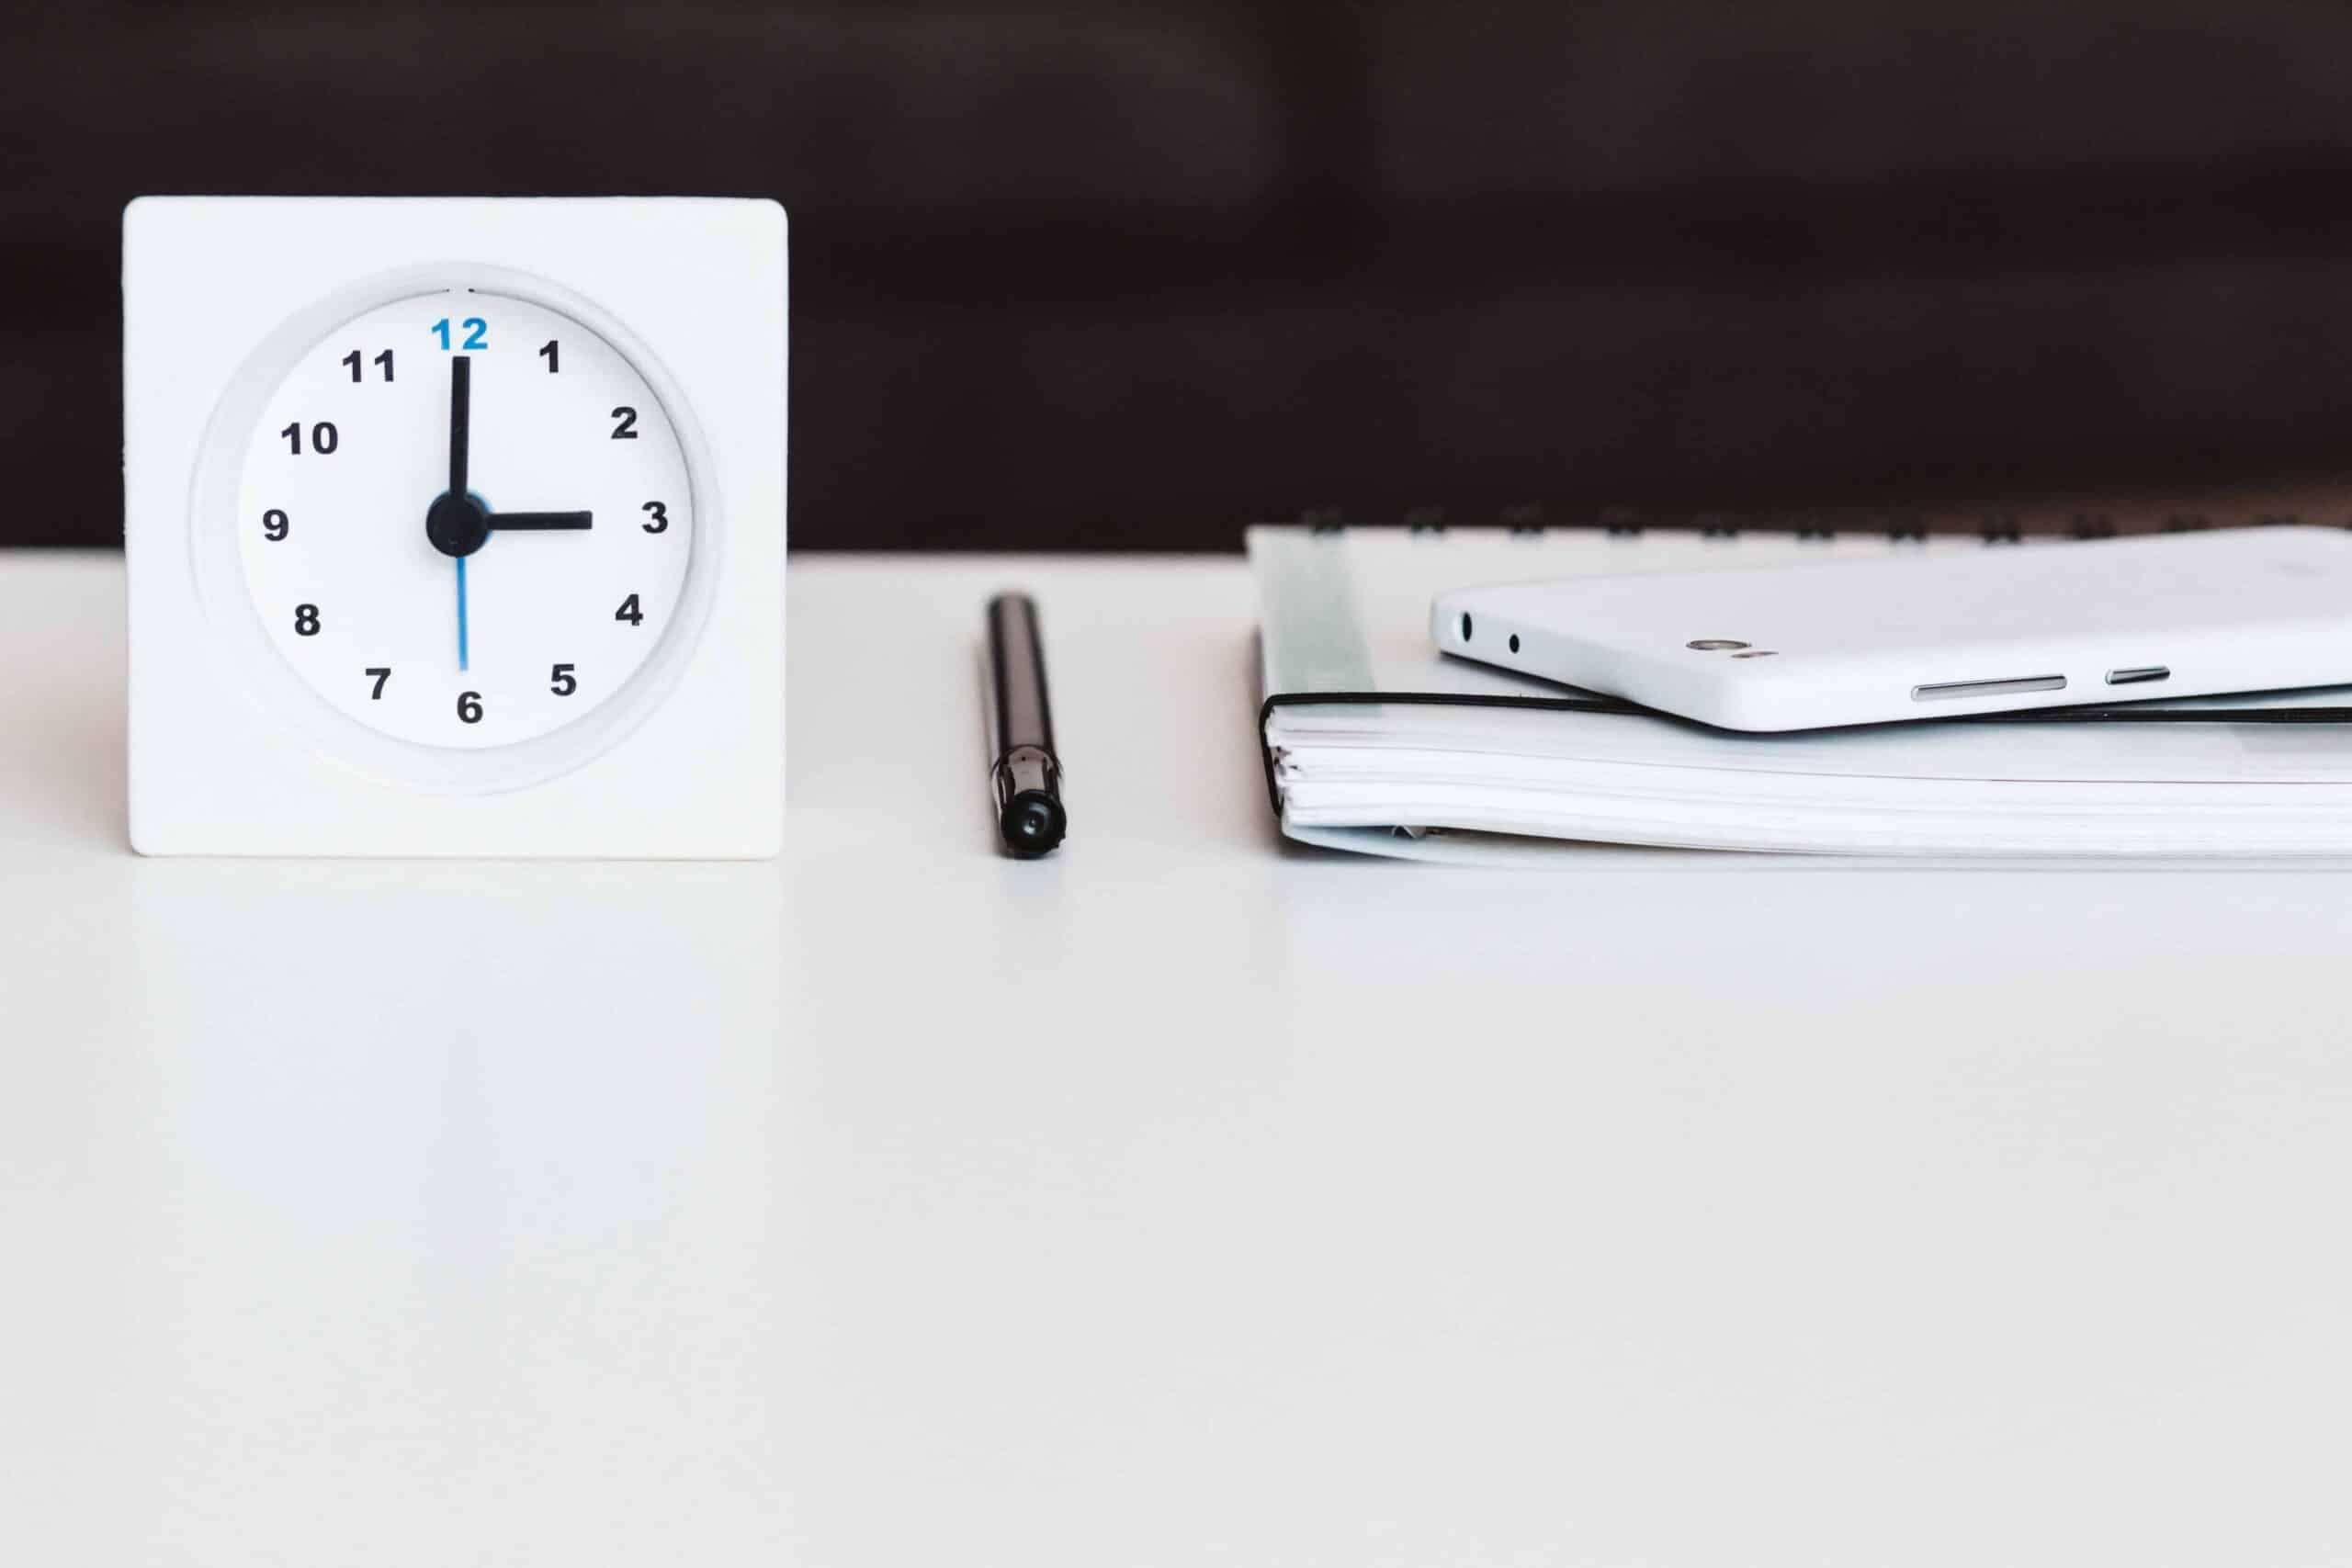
(455, 526)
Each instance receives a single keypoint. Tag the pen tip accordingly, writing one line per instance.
(1034, 822)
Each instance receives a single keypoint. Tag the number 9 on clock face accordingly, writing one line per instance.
(465, 519)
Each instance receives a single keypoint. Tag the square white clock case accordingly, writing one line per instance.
(455, 526)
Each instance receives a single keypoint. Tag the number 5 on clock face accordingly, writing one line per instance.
(465, 519)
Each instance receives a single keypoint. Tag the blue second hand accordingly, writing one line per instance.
(461, 611)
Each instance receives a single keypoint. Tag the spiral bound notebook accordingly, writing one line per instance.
(1376, 742)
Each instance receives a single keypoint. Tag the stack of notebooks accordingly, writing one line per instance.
(1377, 742)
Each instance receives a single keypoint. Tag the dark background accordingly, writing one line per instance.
(1110, 277)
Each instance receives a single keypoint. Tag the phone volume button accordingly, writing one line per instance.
(1953, 691)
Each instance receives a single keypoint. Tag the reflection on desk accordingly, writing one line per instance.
(1183, 1197)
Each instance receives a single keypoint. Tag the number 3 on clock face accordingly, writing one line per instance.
(465, 519)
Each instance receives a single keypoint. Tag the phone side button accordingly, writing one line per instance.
(1951, 690)
(2137, 675)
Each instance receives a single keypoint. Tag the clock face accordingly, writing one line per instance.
(465, 519)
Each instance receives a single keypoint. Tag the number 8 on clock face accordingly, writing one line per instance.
(465, 519)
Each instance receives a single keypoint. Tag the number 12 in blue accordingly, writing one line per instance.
(476, 333)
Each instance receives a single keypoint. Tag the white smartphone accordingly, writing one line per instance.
(1934, 635)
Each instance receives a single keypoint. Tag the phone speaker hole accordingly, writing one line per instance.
(1465, 626)
(1514, 642)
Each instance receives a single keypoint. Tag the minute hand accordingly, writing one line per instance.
(461, 385)
(540, 522)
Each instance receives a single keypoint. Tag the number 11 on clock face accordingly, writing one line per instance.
(465, 519)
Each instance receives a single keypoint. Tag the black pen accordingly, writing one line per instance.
(1028, 777)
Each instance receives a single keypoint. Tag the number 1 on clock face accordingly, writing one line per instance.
(465, 519)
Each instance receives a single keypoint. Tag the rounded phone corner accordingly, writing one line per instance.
(1445, 624)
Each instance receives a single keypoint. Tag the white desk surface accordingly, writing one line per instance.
(1184, 1198)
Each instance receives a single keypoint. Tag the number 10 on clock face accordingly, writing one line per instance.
(465, 519)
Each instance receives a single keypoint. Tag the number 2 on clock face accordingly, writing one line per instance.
(425, 547)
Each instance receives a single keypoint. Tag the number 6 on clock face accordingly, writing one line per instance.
(468, 524)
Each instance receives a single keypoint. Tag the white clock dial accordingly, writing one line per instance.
(549, 576)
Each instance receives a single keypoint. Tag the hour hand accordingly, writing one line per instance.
(538, 522)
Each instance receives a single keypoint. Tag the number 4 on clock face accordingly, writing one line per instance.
(449, 521)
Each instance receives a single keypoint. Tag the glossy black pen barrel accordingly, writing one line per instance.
(1025, 771)
(1017, 663)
